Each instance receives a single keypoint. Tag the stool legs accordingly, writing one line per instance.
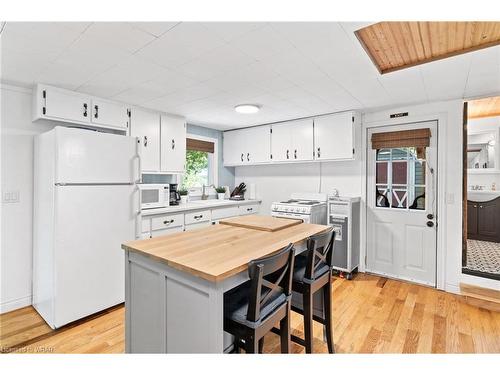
(261, 345)
(327, 301)
(285, 334)
(307, 298)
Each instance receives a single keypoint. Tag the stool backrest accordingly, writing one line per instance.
(320, 252)
(269, 277)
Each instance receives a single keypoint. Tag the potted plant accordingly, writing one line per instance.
(221, 192)
(184, 195)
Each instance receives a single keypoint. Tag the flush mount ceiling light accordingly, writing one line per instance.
(247, 108)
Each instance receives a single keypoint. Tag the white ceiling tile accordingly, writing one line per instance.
(446, 79)
(23, 68)
(215, 62)
(262, 43)
(232, 30)
(183, 96)
(484, 75)
(154, 28)
(404, 86)
(181, 44)
(121, 35)
(120, 77)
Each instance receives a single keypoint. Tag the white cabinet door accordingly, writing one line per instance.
(66, 105)
(146, 126)
(302, 133)
(281, 142)
(233, 146)
(197, 225)
(173, 144)
(334, 136)
(258, 144)
(109, 114)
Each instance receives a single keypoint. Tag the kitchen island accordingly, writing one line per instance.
(175, 284)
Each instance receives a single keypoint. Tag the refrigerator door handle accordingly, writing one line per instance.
(139, 161)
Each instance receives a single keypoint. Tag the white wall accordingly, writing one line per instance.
(17, 132)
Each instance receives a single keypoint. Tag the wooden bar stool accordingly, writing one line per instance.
(312, 272)
(253, 308)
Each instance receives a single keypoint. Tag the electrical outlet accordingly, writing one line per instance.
(10, 196)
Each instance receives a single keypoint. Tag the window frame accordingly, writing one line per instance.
(213, 170)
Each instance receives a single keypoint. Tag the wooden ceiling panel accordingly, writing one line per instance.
(486, 107)
(398, 45)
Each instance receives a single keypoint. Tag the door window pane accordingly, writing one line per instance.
(383, 154)
(382, 172)
(382, 196)
(399, 172)
(399, 198)
(417, 198)
(399, 153)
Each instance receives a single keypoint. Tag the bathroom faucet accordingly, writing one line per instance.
(204, 196)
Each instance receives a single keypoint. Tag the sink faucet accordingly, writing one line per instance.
(204, 196)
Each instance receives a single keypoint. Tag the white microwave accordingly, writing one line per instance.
(154, 195)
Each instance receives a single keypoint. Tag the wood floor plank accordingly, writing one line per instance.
(371, 314)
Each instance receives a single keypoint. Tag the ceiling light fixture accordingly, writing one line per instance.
(247, 108)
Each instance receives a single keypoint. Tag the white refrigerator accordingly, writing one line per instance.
(86, 204)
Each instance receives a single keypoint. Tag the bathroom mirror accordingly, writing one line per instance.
(483, 150)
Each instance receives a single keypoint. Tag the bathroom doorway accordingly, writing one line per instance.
(481, 188)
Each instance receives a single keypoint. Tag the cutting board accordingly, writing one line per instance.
(260, 222)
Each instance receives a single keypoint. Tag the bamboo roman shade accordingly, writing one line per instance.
(405, 138)
(198, 145)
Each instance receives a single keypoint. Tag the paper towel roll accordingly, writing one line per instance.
(252, 193)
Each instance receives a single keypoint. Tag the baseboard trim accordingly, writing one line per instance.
(477, 292)
(15, 304)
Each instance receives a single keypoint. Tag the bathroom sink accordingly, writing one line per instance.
(482, 195)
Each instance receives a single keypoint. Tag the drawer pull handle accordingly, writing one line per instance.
(167, 222)
(249, 209)
(198, 217)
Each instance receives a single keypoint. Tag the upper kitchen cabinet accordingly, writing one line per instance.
(52, 103)
(334, 136)
(110, 114)
(247, 146)
(60, 105)
(292, 141)
(145, 125)
(173, 144)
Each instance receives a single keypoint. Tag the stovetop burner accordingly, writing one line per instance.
(290, 201)
(309, 203)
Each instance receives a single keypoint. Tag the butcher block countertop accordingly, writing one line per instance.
(219, 251)
(261, 222)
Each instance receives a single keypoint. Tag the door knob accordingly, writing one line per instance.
(430, 216)
(430, 224)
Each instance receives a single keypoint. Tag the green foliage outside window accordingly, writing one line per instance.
(196, 169)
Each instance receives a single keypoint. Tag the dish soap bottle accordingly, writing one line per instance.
(493, 186)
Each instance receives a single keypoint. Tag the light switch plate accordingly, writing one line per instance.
(450, 198)
(10, 196)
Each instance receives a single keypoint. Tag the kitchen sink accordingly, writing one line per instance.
(482, 195)
(211, 202)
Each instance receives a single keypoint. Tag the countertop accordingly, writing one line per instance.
(198, 205)
(219, 251)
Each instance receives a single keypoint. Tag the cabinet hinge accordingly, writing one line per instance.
(128, 113)
(44, 94)
(353, 151)
(271, 130)
(352, 118)
(271, 156)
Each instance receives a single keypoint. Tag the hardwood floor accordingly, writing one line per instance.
(371, 315)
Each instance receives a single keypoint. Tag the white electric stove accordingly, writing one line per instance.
(310, 207)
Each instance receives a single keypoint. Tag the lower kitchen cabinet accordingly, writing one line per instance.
(161, 225)
(483, 220)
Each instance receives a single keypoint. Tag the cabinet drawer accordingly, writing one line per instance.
(164, 222)
(197, 225)
(145, 236)
(164, 232)
(197, 217)
(249, 209)
(222, 213)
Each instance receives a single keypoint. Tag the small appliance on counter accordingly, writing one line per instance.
(175, 197)
(238, 193)
(344, 216)
(154, 195)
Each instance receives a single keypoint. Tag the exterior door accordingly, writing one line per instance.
(401, 208)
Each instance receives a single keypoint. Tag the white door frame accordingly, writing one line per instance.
(440, 193)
